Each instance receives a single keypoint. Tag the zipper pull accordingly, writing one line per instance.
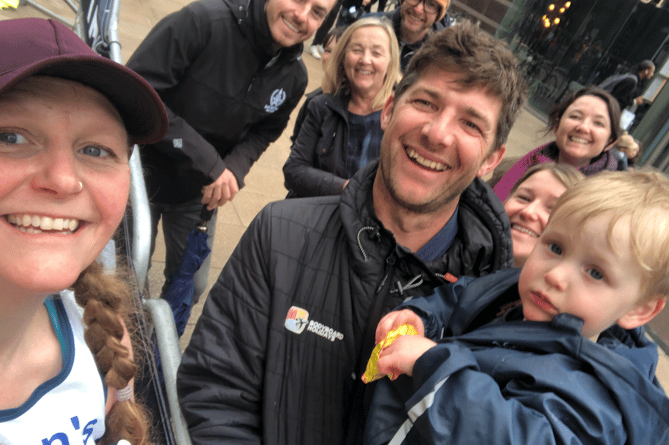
(390, 260)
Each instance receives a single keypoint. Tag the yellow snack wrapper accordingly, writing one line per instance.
(372, 372)
(9, 4)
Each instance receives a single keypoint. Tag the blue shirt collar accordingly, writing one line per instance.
(441, 242)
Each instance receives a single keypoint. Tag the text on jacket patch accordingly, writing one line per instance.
(324, 331)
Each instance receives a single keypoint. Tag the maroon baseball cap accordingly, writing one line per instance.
(32, 46)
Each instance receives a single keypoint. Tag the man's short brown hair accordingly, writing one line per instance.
(482, 61)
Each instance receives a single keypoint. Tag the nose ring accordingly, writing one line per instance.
(81, 187)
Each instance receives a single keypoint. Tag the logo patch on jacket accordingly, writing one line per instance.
(278, 96)
(297, 319)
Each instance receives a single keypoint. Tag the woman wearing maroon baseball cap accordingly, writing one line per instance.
(68, 120)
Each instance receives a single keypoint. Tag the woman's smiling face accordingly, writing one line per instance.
(367, 59)
(528, 209)
(584, 131)
(64, 181)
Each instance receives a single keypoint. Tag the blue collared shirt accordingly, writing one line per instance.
(441, 242)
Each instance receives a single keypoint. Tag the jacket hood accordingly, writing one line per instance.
(252, 22)
(480, 200)
(634, 380)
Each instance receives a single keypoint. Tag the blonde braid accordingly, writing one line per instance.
(105, 299)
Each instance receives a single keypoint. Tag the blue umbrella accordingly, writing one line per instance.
(180, 293)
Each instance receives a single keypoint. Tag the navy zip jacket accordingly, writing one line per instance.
(519, 382)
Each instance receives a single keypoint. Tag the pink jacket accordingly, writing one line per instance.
(542, 154)
(536, 156)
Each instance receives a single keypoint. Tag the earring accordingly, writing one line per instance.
(81, 187)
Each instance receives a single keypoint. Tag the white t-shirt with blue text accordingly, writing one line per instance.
(68, 409)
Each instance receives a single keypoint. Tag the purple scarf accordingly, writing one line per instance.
(548, 153)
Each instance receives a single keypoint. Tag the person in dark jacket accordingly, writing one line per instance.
(570, 362)
(330, 41)
(414, 20)
(342, 129)
(230, 74)
(320, 41)
(626, 88)
(276, 355)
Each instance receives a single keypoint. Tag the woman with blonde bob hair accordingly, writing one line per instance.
(342, 129)
(336, 79)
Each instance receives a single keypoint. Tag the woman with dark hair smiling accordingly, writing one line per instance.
(586, 125)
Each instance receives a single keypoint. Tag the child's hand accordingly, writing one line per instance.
(400, 357)
(395, 319)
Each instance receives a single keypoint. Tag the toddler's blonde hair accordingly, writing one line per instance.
(643, 195)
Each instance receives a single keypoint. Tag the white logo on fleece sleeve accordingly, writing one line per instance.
(278, 97)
